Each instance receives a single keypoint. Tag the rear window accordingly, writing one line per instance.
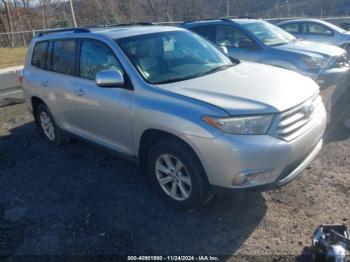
(291, 28)
(39, 57)
(64, 57)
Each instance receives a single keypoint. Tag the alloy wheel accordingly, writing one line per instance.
(173, 177)
(47, 125)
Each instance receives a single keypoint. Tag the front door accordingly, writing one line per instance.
(103, 112)
(318, 33)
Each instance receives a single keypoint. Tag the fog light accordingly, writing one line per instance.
(246, 177)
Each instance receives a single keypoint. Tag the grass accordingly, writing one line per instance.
(12, 56)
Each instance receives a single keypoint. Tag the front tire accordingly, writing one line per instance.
(178, 175)
(48, 128)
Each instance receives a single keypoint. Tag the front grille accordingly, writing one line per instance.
(298, 120)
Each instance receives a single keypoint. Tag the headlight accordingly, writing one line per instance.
(315, 62)
(251, 125)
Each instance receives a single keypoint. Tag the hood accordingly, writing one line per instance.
(248, 88)
(313, 47)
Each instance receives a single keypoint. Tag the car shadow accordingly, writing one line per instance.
(79, 199)
(338, 110)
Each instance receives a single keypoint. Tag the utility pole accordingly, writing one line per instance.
(73, 14)
(288, 8)
(227, 8)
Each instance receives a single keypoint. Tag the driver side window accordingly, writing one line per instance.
(96, 56)
(229, 36)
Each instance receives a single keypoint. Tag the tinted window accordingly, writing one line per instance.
(63, 57)
(40, 55)
(291, 28)
(208, 32)
(317, 29)
(96, 57)
(231, 37)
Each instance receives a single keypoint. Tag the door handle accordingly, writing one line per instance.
(45, 83)
(79, 92)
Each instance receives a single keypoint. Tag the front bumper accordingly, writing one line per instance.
(233, 161)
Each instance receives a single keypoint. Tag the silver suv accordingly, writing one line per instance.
(172, 102)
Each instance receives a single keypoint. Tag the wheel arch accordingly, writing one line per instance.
(35, 102)
(150, 137)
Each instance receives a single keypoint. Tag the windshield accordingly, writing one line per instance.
(269, 34)
(172, 56)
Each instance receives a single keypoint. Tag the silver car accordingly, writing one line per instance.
(173, 103)
(259, 41)
(319, 31)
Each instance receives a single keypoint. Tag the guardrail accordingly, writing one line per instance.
(10, 87)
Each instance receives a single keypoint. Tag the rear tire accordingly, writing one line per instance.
(48, 128)
(178, 175)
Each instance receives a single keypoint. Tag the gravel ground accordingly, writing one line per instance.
(78, 199)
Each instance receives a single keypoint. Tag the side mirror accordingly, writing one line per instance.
(223, 49)
(245, 43)
(109, 78)
(329, 32)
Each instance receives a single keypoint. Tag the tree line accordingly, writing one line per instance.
(28, 15)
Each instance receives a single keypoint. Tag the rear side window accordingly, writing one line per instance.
(95, 57)
(291, 28)
(39, 57)
(208, 32)
(64, 57)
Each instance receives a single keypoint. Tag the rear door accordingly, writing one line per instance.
(103, 113)
(60, 79)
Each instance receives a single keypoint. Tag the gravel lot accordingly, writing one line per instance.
(78, 199)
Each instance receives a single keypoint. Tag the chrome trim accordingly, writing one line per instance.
(298, 120)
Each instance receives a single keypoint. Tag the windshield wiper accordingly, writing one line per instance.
(172, 80)
(292, 41)
(216, 69)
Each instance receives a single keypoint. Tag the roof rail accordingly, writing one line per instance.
(239, 17)
(73, 30)
(199, 20)
(226, 18)
(126, 24)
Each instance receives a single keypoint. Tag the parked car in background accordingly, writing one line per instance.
(172, 102)
(318, 31)
(260, 41)
(345, 25)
